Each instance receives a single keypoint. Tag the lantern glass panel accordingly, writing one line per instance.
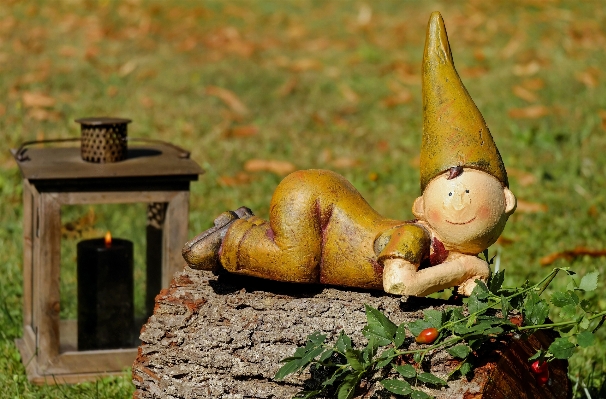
(85, 222)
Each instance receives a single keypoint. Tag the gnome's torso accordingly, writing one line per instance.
(321, 230)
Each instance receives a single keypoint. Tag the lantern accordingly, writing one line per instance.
(102, 171)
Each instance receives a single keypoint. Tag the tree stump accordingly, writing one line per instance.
(224, 336)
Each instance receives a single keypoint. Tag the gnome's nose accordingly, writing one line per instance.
(457, 201)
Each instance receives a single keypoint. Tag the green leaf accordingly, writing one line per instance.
(496, 281)
(419, 395)
(584, 324)
(417, 326)
(505, 306)
(400, 335)
(335, 376)
(429, 378)
(481, 291)
(417, 357)
(475, 304)
(316, 338)
(371, 349)
(326, 355)
(538, 354)
(585, 305)
(288, 368)
(354, 358)
(585, 339)
(535, 310)
(379, 324)
(385, 358)
(306, 394)
(562, 348)
(589, 282)
(434, 317)
(397, 386)
(311, 355)
(465, 368)
(568, 312)
(371, 335)
(406, 370)
(561, 299)
(348, 386)
(343, 343)
(459, 351)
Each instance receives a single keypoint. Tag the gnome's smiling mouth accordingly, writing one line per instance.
(459, 224)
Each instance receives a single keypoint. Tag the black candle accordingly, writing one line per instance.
(105, 294)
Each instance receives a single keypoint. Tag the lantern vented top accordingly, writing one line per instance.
(103, 139)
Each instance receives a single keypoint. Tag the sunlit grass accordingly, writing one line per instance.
(321, 83)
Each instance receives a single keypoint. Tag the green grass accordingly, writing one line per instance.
(152, 61)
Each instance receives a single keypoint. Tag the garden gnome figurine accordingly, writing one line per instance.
(321, 230)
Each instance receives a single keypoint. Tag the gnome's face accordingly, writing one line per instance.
(467, 212)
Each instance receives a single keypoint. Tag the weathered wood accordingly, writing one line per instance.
(223, 337)
(46, 348)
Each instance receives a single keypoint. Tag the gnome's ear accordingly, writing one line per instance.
(417, 208)
(510, 201)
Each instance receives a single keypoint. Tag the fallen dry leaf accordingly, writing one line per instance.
(349, 94)
(526, 69)
(146, 102)
(68, 51)
(474, 72)
(530, 207)
(571, 254)
(288, 87)
(602, 114)
(415, 162)
(305, 64)
(239, 179)
(75, 228)
(505, 241)
(532, 112)
(127, 68)
(345, 163)
(401, 95)
(588, 77)
(524, 94)
(524, 178)
(32, 99)
(533, 84)
(242, 131)
(111, 91)
(383, 146)
(41, 114)
(512, 46)
(364, 15)
(229, 98)
(280, 168)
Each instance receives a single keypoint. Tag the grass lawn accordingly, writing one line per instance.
(256, 89)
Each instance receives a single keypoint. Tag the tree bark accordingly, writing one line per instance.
(223, 337)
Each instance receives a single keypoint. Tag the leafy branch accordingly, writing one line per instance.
(491, 311)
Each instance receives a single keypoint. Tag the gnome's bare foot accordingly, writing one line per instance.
(202, 252)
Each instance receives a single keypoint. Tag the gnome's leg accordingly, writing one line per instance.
(287, 249)
(289, 246)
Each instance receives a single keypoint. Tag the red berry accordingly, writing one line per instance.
(539, 367)
(427, 336)
(543, 377)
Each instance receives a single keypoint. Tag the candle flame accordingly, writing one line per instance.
(108, 239)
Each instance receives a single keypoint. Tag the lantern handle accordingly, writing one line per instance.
(20, 156)
(19, 153)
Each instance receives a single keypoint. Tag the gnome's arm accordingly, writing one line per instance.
(402, 277)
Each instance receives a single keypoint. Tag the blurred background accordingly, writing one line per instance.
(257, 89)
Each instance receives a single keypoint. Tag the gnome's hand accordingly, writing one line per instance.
(478, 269)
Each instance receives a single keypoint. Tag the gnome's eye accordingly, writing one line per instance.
(467, 191)
(450, 194)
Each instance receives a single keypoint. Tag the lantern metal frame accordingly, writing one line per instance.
(54, 177)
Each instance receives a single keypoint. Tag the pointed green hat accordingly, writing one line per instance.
(454, 131)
